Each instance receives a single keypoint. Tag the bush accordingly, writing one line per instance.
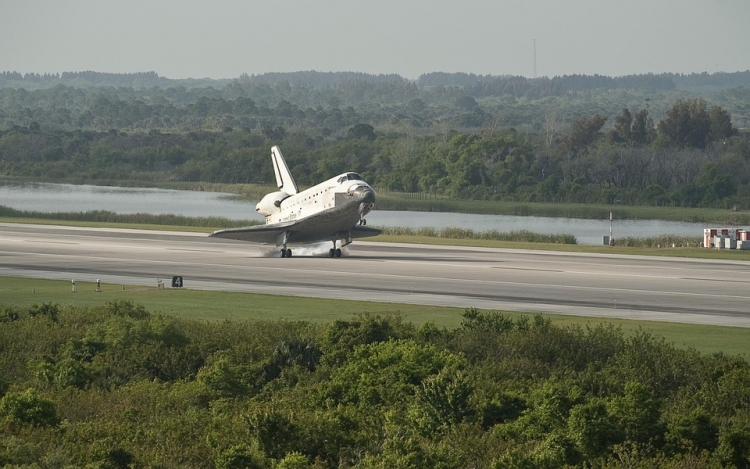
(27, 408)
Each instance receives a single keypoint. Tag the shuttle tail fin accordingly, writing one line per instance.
(284, 179)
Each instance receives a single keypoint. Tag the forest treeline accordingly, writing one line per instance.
(117, 386)
(638, 139)
(647, 82)
(324, 102)
(693, 157)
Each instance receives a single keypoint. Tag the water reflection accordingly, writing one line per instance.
(47, 197)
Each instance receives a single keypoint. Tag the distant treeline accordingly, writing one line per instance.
(483, 85)
(492, 84)
(139, 79)
(628, 140)
(320, 79)
(694, 157)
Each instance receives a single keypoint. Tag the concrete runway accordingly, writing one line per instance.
(632, 287)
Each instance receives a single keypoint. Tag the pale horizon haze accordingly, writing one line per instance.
(225, 38)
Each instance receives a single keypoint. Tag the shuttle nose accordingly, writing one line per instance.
(365, 194)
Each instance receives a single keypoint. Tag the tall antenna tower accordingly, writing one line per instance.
(534, 58)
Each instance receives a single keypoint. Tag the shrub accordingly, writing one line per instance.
(29, 409)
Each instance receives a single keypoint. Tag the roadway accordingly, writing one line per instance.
(631, 287)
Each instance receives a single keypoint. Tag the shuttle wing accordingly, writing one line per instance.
(258, 233)
(299, 231)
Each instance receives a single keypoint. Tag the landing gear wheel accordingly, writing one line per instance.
(338, 252)
(283, 253)
(331, 253)
(364, 222)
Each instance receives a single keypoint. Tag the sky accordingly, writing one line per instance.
(226, 38)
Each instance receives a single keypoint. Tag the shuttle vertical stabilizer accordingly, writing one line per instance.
(284, 179)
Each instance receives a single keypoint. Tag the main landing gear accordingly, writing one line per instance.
(281, 241)
(345, 241)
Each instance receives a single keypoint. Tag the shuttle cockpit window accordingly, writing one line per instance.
(350, 177)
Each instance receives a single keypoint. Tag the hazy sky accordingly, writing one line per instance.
(225, 38)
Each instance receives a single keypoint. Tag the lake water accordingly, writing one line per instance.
(47, 197)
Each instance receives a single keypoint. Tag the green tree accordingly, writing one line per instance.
(223, 378)
(293, 460)
(690, 124)
(720, 124)
(441, 402)
(583, 133)
(365, 131)
(621, 133)
(637, 413)
(592, 428)
(106, 454)
(240, 457)
(466, 103)
(734, 441)
(29, 409)
(693, 432)
(341, 336)
(385, 373)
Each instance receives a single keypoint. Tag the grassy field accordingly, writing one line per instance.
(217, 306)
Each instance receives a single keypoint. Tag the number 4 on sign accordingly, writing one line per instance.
(177, 282)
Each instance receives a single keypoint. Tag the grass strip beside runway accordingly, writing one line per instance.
(218, 306)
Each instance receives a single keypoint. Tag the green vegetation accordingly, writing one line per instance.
(118, 386)
(474, 140)
(521, 236)
(660, 241)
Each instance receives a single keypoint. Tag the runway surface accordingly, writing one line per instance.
(631, 287)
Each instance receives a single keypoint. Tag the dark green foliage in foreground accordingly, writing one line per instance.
(117, 386)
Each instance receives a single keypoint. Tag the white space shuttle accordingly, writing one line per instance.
(333, 210)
